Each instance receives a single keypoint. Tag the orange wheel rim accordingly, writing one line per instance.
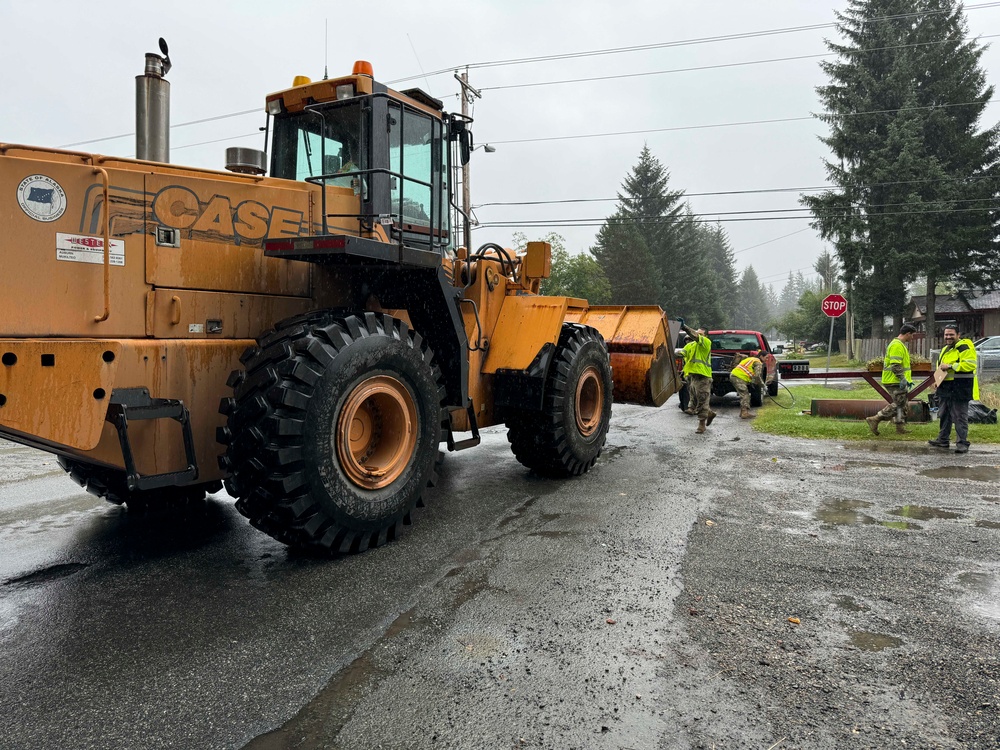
(376, 432)
(589, 401)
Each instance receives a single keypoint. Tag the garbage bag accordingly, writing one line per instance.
(980, 413)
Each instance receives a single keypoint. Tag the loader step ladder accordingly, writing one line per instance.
(472, 442)
(134, 404)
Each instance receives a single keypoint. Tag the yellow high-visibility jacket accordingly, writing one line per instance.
(748, 370)
(896, 354)
(698, 360)
(962, 360)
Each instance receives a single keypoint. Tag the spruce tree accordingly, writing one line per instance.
(915, 178)
(623, 255)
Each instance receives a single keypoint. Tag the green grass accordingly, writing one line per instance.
(818, 359)
(774, 420)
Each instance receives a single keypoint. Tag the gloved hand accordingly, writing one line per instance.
(681, 321)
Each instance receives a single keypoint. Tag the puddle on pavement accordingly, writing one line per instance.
(923, 512)
(847, 603)
(518, 511)
(468, 591)
(51, 573)
(480, 645)
(867, 641)
(904, 525)
(404, 622)
(553, 534)
(987, 525)
(843, 513)
(613, 451)
(975, 473)
(979, 582)
(887, 447)
(984, 587)
(325, 714)
(868, 465)
(467, 555)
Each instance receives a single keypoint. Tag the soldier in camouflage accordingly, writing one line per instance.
(897, 380)
(700, 375)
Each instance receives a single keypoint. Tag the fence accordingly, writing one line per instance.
(866, 349)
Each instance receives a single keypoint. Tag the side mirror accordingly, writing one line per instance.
(465, 144)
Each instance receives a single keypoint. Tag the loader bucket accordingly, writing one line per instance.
(640, 341)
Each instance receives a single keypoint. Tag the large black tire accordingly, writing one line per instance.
(566, 437)
(333, 433)
(110, 485)
(756, 396)
(772, 389)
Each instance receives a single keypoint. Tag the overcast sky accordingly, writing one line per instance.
(67, 73)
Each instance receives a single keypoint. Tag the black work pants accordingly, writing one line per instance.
(953, 412)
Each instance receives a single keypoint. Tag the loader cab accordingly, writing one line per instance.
(390, 149)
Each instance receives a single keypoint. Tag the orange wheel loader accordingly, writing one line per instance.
(301, 327)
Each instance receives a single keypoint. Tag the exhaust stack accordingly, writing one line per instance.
(152, 108)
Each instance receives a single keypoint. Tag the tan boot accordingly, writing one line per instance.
(745, 413)
(711, 416)
(701, 426)
(873, 424)
(901, 429)
(689, 411)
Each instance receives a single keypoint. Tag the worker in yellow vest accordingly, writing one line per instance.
(700, 375)
(897, 379)
(958, 360)
(747, 372)
(689, 350)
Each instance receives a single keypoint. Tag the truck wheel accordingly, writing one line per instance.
(333, 431)
(110, 485)
(756, 396)
(567, 435)
(772, 389)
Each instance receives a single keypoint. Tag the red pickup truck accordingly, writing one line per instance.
(728, 348)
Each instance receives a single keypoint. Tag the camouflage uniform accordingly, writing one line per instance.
(693, 401)
(700, 377)
(896, 374)
(742, 386)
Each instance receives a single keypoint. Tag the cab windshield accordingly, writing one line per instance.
(308, 144)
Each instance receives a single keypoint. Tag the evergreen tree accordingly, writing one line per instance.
(789, 297)
(752, 309)
(828, 269)
(914, 177)
(723, 266)
(694, 292)
(622, 253)
(646, 199)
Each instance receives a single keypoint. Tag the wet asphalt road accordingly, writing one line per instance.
(604, 612)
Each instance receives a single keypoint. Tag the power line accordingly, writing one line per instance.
(178, 125)
(768, 242)
(574, 55)
(676, 43)
(706, 218)
(744, 192)
(736, 124)
(711, 67)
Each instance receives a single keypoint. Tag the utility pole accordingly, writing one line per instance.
(468, 94)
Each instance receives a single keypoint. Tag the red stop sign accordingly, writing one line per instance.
(834, 305)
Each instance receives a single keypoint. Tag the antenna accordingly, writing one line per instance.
(326, 47)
